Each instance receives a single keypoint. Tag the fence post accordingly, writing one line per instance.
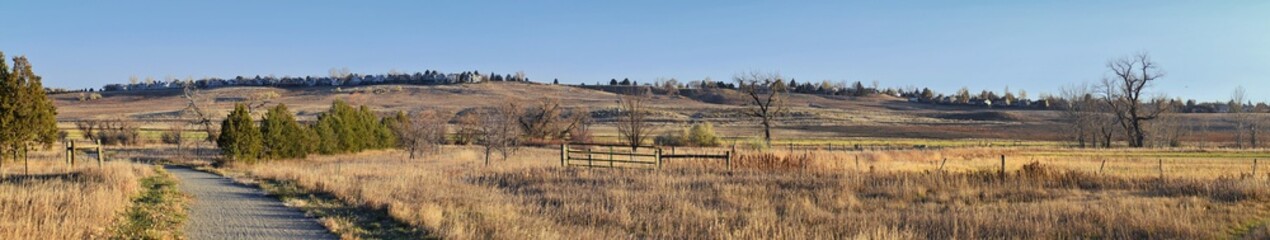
(26, 162)
(658, 157)
(72, 151)
(1103, 165)
(101, 155)
(1254, 168)
(1002, 167)
(728, 162)
(564, 155)
(66, 150)
(1161, 160)
(611, 156)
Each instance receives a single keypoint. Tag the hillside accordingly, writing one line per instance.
(810, 116)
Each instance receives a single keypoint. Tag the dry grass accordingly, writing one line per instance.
(787, 195)
(57, 202)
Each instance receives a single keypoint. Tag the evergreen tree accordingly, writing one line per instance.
(240, 140)
(26, 114)
(344, 129)
(283, 136)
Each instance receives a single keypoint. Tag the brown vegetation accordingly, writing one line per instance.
(802, 194)
(56, 202)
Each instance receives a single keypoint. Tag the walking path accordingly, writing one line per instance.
(223, 209)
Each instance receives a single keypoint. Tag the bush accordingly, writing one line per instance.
(173, 136)
(118, 132)
(700, 135)
(670, 138)
(240, 140)
(344, 129)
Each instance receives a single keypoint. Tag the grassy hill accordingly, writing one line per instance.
(811, 117)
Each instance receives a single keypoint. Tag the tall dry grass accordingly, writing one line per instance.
(782, 195)
(59, 202)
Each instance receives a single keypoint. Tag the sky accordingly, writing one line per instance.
(1206, 48)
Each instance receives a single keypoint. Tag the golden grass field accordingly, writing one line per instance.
(795, 190)
(801, 194)
(59, 202)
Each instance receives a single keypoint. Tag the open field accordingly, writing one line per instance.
(939, 179)
(893, 194)
(58, 202)
(812, 116)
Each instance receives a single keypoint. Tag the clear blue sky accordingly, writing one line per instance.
(1206, 47)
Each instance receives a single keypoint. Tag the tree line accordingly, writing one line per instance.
(1118, 109)
(342, 129)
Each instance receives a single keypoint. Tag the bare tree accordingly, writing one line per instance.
(633, 121)
(1081, 114)
(194, 102)
(175, 135)
(88, 128)
(1244, 118)
(767, 92)
(1169, 128)
(498, 130)
(549, 120)
(423, 132)
(1124, 93)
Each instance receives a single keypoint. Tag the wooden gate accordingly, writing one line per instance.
(593, 155)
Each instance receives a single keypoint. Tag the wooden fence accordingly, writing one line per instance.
(72, 149)
(601, 155)
(593, 155)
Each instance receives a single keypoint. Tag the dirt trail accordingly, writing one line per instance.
(222, 209)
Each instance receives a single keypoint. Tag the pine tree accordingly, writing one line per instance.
(240, 140)
(283, 136)
(8, 109)
(26, 114)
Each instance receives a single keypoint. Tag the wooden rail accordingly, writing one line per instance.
(71, 149)
(609, 155)
(609, 158)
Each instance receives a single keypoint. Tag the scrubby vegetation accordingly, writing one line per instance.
(56, 202)
(779, 194)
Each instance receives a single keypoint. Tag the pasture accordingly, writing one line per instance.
(802, 194)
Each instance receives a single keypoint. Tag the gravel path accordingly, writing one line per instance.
(223, 209)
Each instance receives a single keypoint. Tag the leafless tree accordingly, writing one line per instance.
(423, 132)
(767, 92)
(498, 130)
(549, 120)
(633, 121)
(1244, 119)
(581, 132)
(1082, 114)
(175, 135)
(1125, 95)
(194, 102)
(1169, 128)
(88, 128)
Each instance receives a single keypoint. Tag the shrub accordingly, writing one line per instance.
(283, 136)
(118, 132)
(702, 135)
(240, 140)
(344, 129)
(670, 138)
(173, 135)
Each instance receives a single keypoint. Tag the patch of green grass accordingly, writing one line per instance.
(350, 222)
(158, 213)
